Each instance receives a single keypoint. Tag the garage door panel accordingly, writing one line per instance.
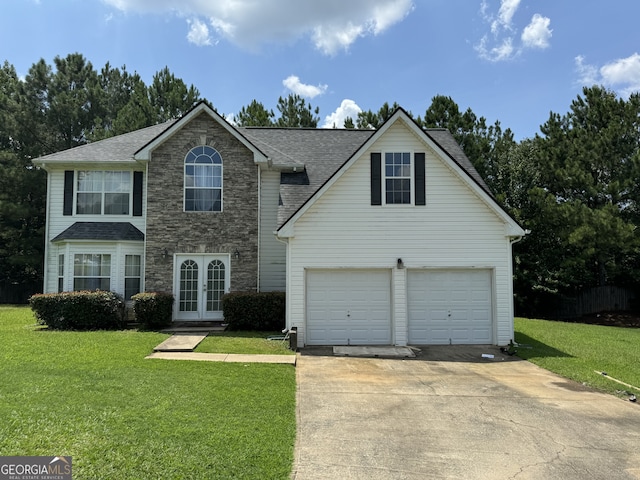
(450, 306)
(348, 307)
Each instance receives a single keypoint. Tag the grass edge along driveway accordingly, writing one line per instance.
(577, 351)
(93, 396)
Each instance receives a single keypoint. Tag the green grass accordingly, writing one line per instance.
(93, 396)
(244, 342)
(576, 351)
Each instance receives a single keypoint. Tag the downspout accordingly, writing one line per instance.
(513, 241)
(45, 274)
(145, 197)
(287, 286)
(259, 224)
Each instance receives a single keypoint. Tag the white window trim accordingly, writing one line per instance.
(412, 180)
(102, 193)
(184, 185)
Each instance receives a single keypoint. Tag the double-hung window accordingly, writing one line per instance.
(398, 178)
(91, 271)
(397, 175)
(132, 275)
(103, 193)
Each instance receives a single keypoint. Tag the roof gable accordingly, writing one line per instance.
(441, 142)
(144, 153)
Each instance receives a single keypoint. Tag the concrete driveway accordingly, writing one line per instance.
(452, 414)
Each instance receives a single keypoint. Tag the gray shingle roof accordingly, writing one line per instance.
(322, 151)
(112, 231)
(316, 154)
(114, 149)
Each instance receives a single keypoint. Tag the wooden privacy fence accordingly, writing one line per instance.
(596, 299)
(18, 293)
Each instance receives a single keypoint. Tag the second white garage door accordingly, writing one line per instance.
(450, 307)
(348, 307)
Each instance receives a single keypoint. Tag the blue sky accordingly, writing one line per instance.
(508, 60)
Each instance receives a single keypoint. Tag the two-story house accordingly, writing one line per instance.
(384, 236)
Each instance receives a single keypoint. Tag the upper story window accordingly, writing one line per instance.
(398, 178)
(397, 174)
(103, 193)
(203, 180)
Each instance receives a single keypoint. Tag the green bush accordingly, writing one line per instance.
(79, 310)
(263, 311)
(153, 309)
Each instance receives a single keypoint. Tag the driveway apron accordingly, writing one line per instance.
(453, 414)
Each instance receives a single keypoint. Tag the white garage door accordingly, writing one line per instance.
(449, 307)
(348, 307)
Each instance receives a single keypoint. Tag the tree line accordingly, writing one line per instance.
(575, 185)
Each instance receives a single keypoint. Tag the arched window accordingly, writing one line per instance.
(203, 180)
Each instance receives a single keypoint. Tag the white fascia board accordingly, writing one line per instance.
(512, 228)
(85, 165)
(145, 152)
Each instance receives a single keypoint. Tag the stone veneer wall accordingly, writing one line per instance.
(170, 228)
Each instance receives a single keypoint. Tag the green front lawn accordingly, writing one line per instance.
(244, 342)
(93, 396)
(576, 351)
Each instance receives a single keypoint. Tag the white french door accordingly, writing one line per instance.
(200, 282)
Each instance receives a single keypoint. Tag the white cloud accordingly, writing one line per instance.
(499, 45)
(348, 108)
(198, 33)
(501, 52)
(332, 25)
(622, 75)
(294, 84)
(587, 74)
(507, 10)
(537, 34)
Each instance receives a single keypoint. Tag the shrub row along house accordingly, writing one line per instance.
(384, 236)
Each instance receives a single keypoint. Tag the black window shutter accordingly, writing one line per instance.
(137, 194)
(376, 179)
(67, 207)
(420, 179)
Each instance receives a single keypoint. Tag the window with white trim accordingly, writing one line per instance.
(103, 192)
(91, 271)
(397, 177)
(61, 273)
(203, 180)
(132, 275)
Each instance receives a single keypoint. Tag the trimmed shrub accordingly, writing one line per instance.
(262, 311)
(153, 310)
(79, 310)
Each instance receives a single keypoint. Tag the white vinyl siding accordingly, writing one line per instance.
(57, 223)
(272, 251)
(455, 230)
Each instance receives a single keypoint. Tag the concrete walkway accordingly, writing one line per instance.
(225, 357)
(181, 346)
(181, 342)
